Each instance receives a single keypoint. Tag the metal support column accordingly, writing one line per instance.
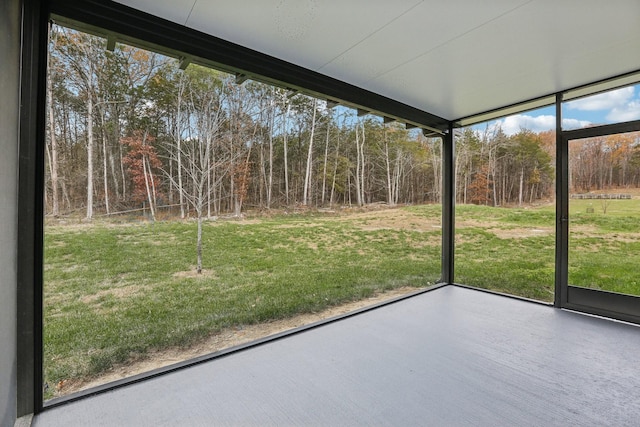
(448, 205)
(30, 205)
(562, 210)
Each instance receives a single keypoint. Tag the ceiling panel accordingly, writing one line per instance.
(305, 32)
(532, 51)
(454, 59)
(172, 10)
(414, 34)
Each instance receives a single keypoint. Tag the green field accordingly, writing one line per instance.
(513, 250)
(115, 291)
(506, 250)
(604, 248)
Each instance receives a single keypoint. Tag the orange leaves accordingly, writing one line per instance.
(141, 160)
(480, 187)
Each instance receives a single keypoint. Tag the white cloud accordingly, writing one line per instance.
(514, 124)
(574, 124)
(618, 105)
(604, 101)
(624, 113)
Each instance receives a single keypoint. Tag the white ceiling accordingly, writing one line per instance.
(452, 58)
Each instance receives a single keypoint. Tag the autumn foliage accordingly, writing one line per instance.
(479, 189)
(142, 162)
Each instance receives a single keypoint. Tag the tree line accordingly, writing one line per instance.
(128, 128)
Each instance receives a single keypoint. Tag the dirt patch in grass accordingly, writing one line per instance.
(474, 223)
(586, 230)
(626, 237)
(392, 219)
(193, 274)
(117, 292)
(225, 339)
(234, 219)
(505, 232)
(297, 225)
(520, 233)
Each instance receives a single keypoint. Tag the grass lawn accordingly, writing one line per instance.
(506, 250)
(513, 250)
(604, 248)
(117, 291)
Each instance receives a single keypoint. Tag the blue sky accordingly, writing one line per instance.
(618, 105)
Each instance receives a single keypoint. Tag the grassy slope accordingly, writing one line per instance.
(113, 292)
(491, 254)
(604, 249)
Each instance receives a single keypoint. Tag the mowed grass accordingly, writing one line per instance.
(114, 292)
(506, 250)
(604, 248)
(512, 250)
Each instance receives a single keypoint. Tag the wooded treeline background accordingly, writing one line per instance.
(128, 128)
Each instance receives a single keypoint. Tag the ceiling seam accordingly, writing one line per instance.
(369, 35)
(448, 41)
(190, 12)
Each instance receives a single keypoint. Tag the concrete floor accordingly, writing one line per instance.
(449, 357)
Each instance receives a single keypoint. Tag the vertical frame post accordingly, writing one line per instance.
(31, 205)
(448, 206)
(562, 210)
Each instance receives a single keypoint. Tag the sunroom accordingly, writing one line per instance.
(527, 231)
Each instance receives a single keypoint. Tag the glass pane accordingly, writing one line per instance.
(187, 213)
(604, 208)
(505, 213)
(614, 106)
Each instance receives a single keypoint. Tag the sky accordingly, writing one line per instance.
(615, 106)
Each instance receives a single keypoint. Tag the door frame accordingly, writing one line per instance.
(592, 301)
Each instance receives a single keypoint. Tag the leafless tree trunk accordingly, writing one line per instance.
(53, 160)
(272, 118)
(521, 186)
(390, 198)
(335, 171)
(436, 165)
(89, 154)
(326, 155)
(178, 139)
(359, 173)
(104, 163)
(362, 166)
(146, 183)
(286, 156)
(359, 164)
(307, 177)
(209, 190)
(199, 246)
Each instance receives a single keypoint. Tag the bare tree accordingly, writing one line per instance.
(196, 154)
(360, 164)
(307, 176)
(387, 160)
(53, 152)
(326, 157)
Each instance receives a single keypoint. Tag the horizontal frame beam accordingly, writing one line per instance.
(601, 303)
(604, 130)
(569, 94)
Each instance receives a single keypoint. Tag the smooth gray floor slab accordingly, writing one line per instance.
(449, 357)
